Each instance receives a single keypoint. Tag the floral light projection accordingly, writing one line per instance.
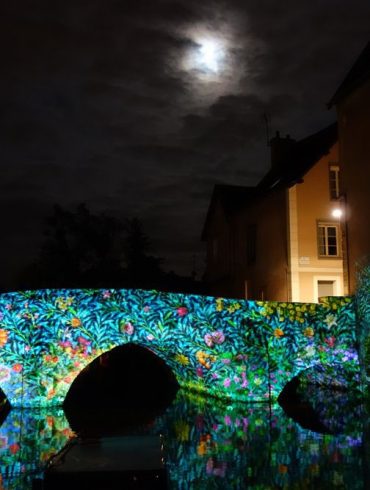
(240, 350)
(28, 438)
(210, 445)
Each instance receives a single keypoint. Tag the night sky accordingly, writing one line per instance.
(138, 108)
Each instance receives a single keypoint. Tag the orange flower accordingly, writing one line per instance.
(3, 337)
(278, 333)
(309, 332)
(283, 469)
(17, 368)
(50, 394)
(75, 322)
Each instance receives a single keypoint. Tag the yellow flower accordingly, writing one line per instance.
(75, 322)
(181, 359)
(278, 333)
(308, 332)
(3, 337)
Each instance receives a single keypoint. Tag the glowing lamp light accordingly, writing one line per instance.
(337, 213)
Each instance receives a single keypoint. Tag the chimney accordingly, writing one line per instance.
(281, 149)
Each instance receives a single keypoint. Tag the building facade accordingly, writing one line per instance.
(282, 240)
(352, 102)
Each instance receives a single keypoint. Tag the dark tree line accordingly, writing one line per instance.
(86, 250)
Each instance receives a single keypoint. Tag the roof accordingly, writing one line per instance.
(303, 156)
(357, 75)
(231, 197)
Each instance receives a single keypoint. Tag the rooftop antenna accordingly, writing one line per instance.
(267, 119)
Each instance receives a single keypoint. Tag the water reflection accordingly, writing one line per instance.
(28, 438)
(212, 445)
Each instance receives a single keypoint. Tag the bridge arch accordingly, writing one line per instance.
(129, 375)
(234, 349)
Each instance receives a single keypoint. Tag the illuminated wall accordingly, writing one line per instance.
(241, 350)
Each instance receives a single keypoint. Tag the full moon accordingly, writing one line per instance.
(210, 55)
(207, 57)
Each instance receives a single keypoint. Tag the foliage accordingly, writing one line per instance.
(363, 314)
(240, 350)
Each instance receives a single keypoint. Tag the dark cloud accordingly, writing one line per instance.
(98, 105)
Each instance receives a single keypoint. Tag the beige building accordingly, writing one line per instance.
(352, 101)
(283, 239)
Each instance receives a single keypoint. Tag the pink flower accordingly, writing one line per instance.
(244, 384)
(227, 382)
(182, 311)
(218, 337)
(27, 348)
(208, 339)
(227, 420)
(150, 337)
(128, 328)
(83, 341)
(199, 372)
(8, 306)
(66, 343)
(330, 341)
(146, 309)
(226, 361)
(106, 294)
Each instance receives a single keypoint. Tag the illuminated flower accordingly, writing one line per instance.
(17, 368)
(310, 351)
(330, 341)
(278, 333)
(50, 394)
(330, 320)
(4, 373)
(83, 341)
(14, 448)
(219, 304)
(257, 381)
(182, 311)
(150, 337)
(309, 332)
(127, 328)
(227, 382)
(282, 469)
(3, 337)
(202, 448)
(218, 337)
(75, 322)
(203, 359)
(106, 294)
(181, 359)
(208, 339)
(3, 442)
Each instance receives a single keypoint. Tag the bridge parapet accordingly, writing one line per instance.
(235, 349)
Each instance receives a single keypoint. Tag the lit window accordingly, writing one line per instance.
(328, 240)
(334, 182)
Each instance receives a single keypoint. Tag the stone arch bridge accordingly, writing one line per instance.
(234, 349)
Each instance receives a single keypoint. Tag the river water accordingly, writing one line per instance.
(320, 443)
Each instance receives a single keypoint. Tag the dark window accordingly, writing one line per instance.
(334, 182)
(251, 244)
